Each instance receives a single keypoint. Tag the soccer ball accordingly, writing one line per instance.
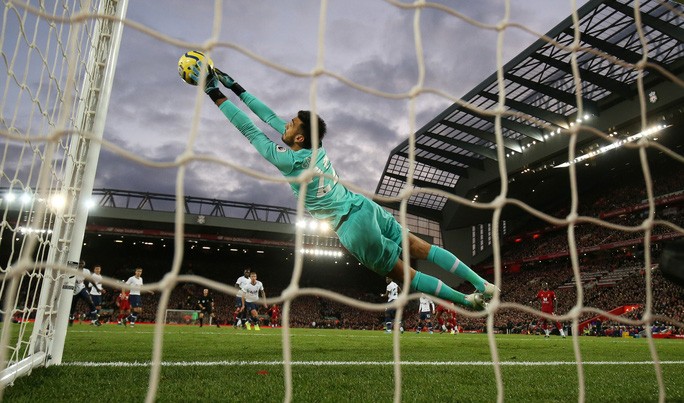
(188, 61)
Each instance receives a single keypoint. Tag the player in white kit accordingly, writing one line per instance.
(250, 297)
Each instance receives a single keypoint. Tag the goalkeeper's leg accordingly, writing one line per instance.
(446, 260)
(378, 246)
(449, 262)
(431, 285)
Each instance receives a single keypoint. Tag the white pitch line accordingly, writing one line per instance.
(355, 363)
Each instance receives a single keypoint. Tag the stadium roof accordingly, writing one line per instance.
(456, 152)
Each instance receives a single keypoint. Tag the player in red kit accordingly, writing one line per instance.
(451, 322)
(548, 301)
(274, 311)
(439, 318)
(446, 319)
(124, 306)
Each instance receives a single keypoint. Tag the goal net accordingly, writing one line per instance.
(54, 98)
(182, 317)
(58, 60)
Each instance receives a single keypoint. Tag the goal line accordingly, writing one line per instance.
(357, 363)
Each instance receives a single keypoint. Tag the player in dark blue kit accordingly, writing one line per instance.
(81, 286)
(240, 315)
(206, 306)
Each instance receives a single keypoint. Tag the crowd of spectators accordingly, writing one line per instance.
(626, 191)
(668, 298)
(519, 287)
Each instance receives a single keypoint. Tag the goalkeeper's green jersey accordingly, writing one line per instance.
(325, 198)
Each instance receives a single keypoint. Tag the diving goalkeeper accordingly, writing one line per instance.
(367, 231)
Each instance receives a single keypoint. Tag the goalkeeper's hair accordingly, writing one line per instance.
(305, 117)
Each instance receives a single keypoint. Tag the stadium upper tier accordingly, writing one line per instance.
(458, 152)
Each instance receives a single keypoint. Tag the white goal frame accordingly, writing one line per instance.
(66, 148)
(63, 147)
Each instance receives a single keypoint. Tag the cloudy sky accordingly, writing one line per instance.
(369, 42)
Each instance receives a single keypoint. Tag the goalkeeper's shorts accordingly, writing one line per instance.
(372, 236)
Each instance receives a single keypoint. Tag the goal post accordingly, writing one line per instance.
(53, 108)
(46, 213)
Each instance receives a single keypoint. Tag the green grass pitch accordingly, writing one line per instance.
(111, 363)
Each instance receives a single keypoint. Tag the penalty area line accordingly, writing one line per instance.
(355, 363)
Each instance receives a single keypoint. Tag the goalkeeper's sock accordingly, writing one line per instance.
(430, 285)
(447, 261)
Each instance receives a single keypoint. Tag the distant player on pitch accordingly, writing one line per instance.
(123, 306)
(206, 306)
(135, 282)
(274, 312)
(96, 289)
(81, 292)
(391, 293)
(547, 299)
(426, 309)
(240, 315)
(250, 297)
(446, 319)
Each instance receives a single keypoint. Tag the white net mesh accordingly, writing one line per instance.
(50, 111)
(44, 52)
(180, 316)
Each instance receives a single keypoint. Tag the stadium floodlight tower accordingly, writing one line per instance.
(68, 80)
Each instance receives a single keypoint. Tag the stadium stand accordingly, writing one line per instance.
(611, 262)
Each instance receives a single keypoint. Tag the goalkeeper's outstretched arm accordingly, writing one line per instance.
(265, 146)
(259, 108)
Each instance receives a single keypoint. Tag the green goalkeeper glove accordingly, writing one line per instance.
(224, 78)
(211, 85)
(211, 82)
(228, 82)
